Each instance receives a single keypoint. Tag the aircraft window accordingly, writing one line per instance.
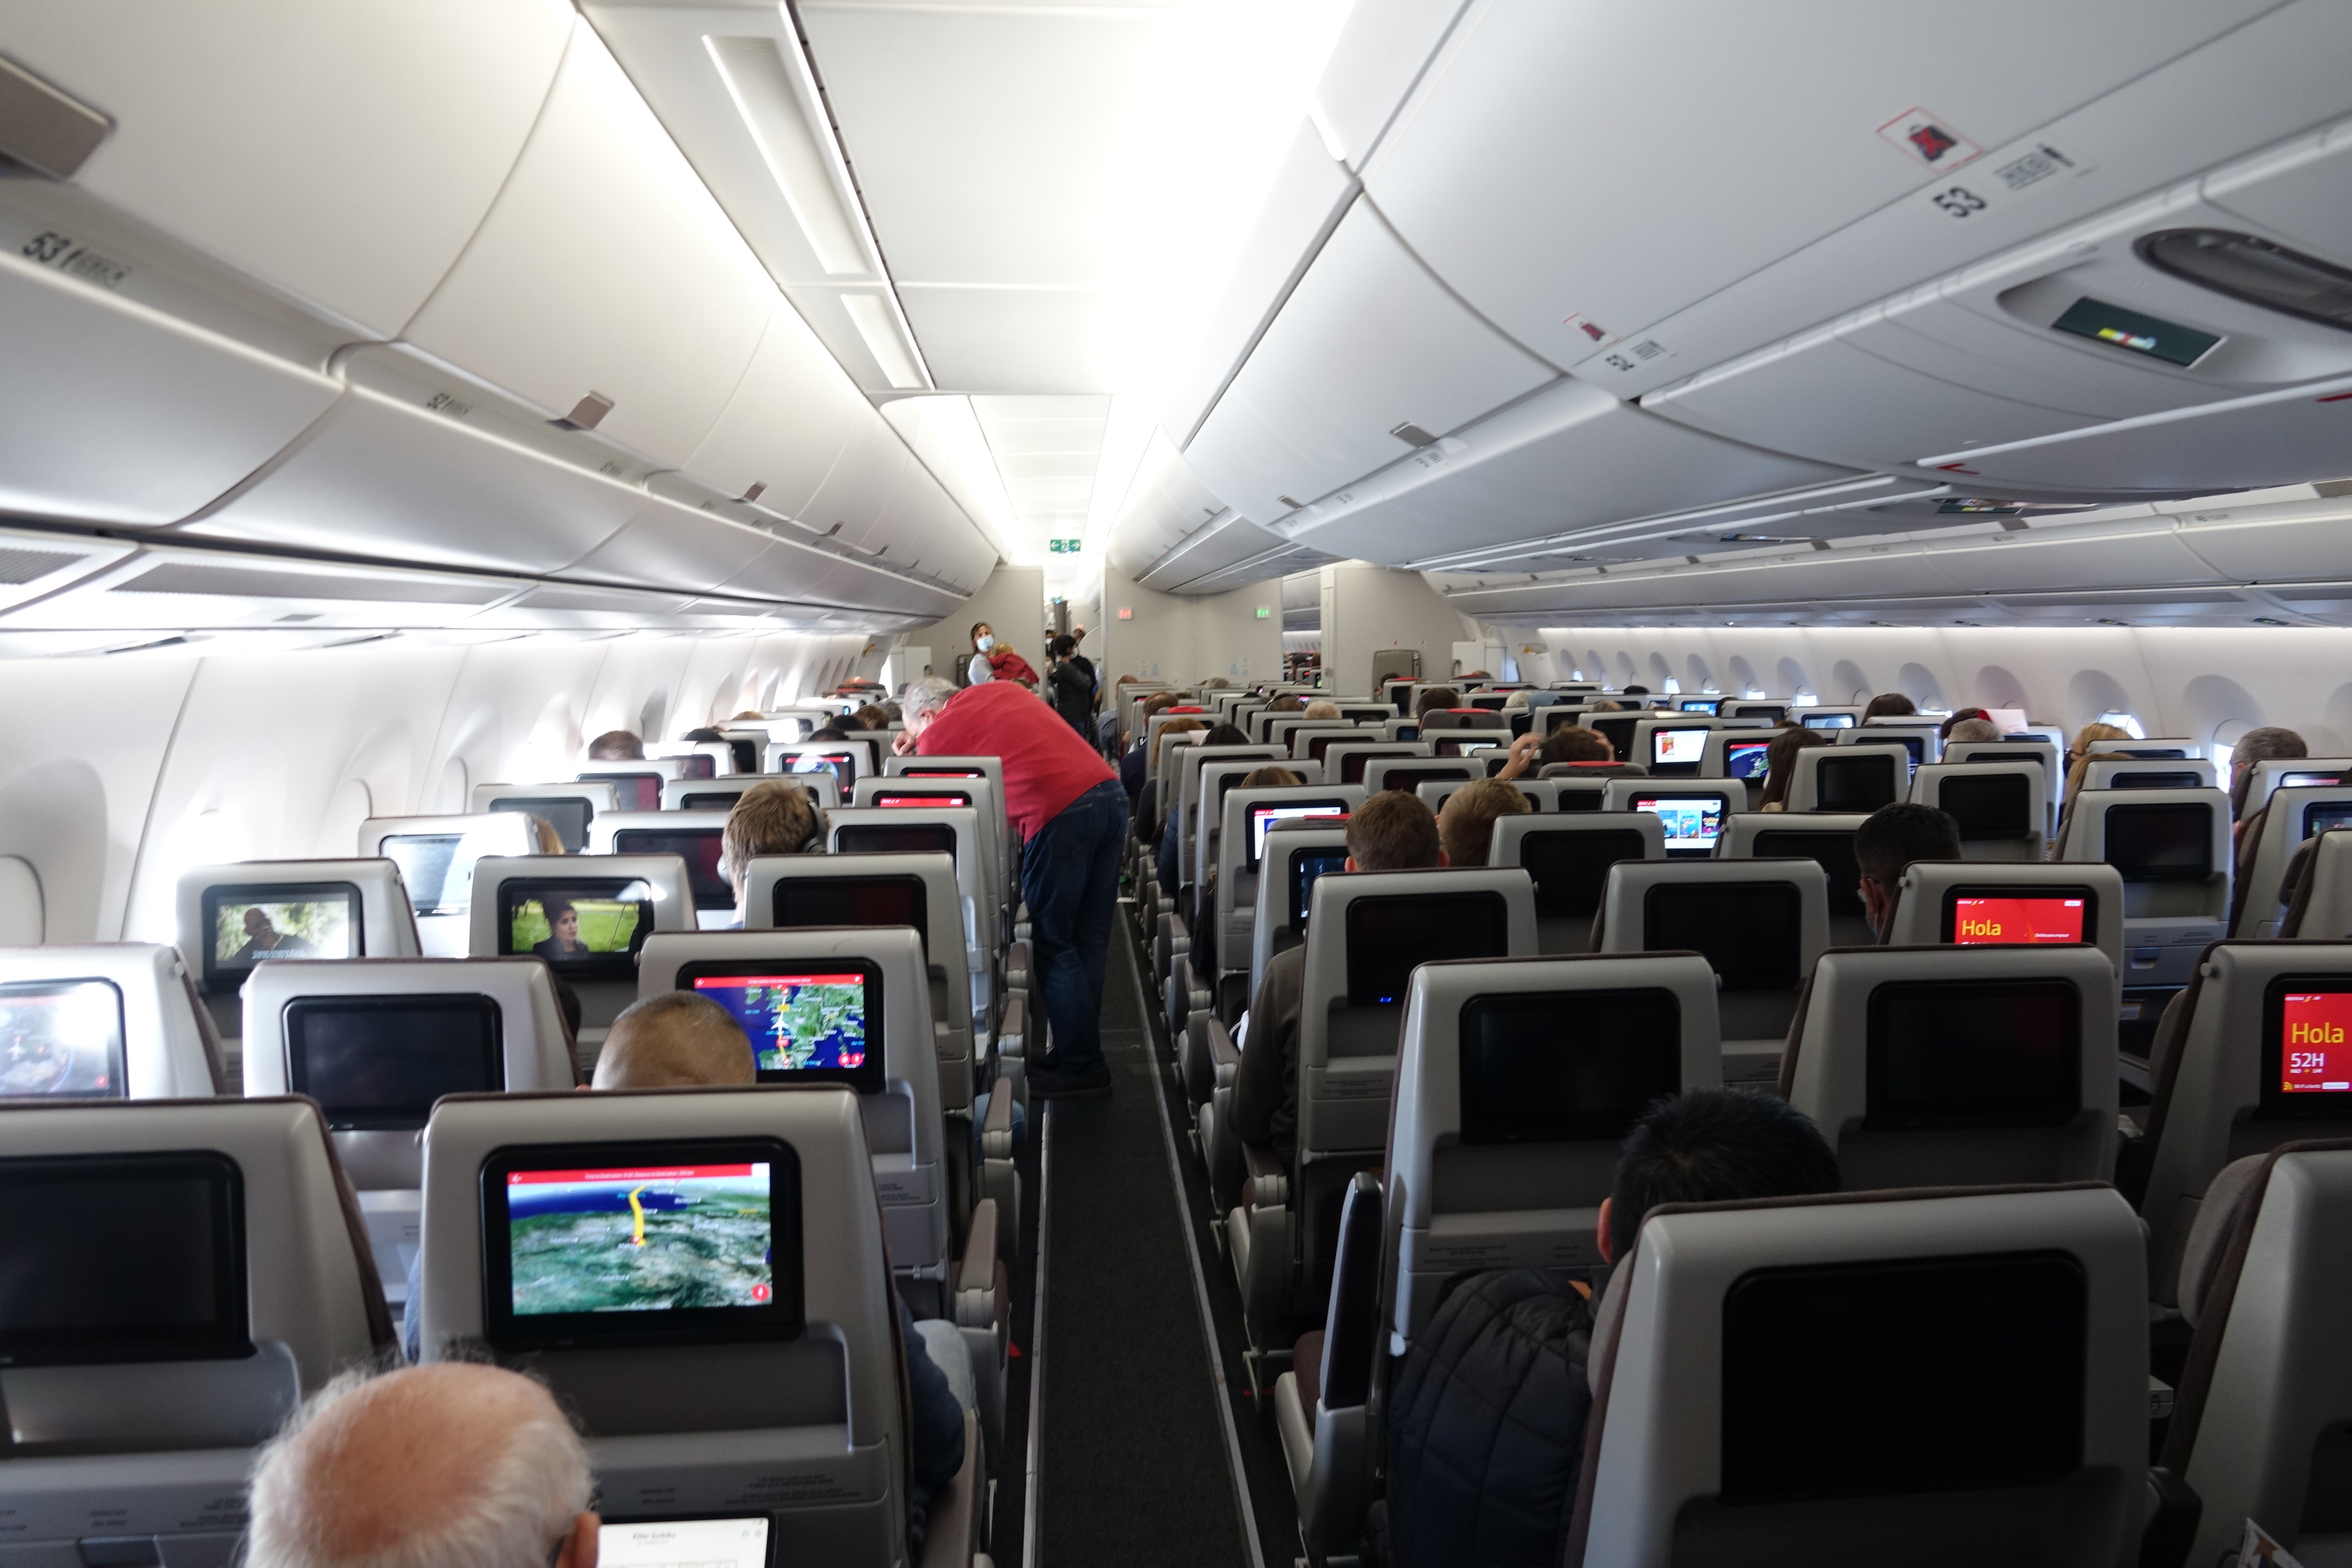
(61, 1039)
(1523, 1081)
(2258, 271)
(818, 1020)
(598, 1243)
(168, 1284)
(285, 921)
(589, 926)
(379, 1062)
(2124, 722)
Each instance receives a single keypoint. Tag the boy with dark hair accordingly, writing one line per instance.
(1885, 845)
(1393, 831)
(1487, 1417)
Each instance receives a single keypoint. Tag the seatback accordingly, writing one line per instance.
(1825, 837)
(567, 806)
(226, 1223)
(1748, 1405)
(231, 918)
(2000, 807)
(846, 760)
(1825, 716)
(2322, 910)
(691, 836)
(844, 1005)
(1409, 773)
(1219, 779)
(1760, 923)
(1858, 780)
(720, 794)
(2043, 754)
(1543, 794)
(2289, 773)
(918, 888)
(2187, 773)
(2173, 847)
(1479, 744)
(103, 1021)
(2161, 748)
(1365, 934)
(1693, 813)
(1296, 737)
(619, 900)
(2225, 1090)
(2259, 1427)
(1672, 747)
(1921, 737)
(637, 783)
(718, 756)
(1737, 754)
(674, 1427)
(1516, 1080)
(1970, 905)
(1344, 762)
(990, 769)
(1568, 857)
(1186, 800)
(2293, 816)
(1297, 855)
(902, 793)
(1929, 1066)
(376, 1041)
(888, 829)
(1579, 795)
(435, 855)
(1249, 815)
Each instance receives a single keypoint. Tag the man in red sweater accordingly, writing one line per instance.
(1066, 804)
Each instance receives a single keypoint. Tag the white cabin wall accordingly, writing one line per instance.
(1013, 602)
(1368, 607)
(2178, 681)
(116, 773)
(1186, 636)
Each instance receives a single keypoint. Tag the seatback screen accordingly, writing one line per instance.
(697, 847)
(891, 838)
(1524, 1079)
(2321, 816)
(693, 1239)
(2154, 778)
(631, 792)
(61, 1039)
(1692, 824)
(1570, 869)
(1973, 919)
(697, 765)
(923, 799)
(944, 773)
(711, 800)
(1618, 728)
(1263, 817)
(1752, 933)
(842, 765)
(1825, 721)
(1389, 937)
(122, 1257)
(1749, 760)
(1873, 1378)
(1774, 711)
(2308, 781)
(1987, 1053)
(1989, 805)
(1304, 868)
(1408, 780)
(1681, 750)
(1351, 766)
(437, 869)
(808, 1020)
(2306, 1046)
(1856, 783)
(732, 1541)
(248, 924)
(1832, 852)
(854, 901)
(588, 927)
(376, 1062)
(2166, 842)
(569, 814)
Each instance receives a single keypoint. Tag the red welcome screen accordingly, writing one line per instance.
(2311, 1050)
(2006, 920)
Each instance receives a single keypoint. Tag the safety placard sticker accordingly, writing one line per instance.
(1931, 141)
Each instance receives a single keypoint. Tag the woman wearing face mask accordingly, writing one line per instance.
(999, 661)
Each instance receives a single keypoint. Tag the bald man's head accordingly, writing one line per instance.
(675, 1039)
(447, 1466)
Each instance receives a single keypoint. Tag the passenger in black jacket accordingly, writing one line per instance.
(1487, 1415)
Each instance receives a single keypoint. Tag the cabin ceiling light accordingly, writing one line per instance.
(803, 163)
(878, 325)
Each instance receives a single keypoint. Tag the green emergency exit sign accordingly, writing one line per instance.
(1064, 546)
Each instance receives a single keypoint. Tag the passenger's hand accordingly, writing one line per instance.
(1523, 755)
(903, 742)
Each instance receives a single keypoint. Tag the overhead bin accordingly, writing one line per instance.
(786, 423)
(113, 412)
(1569, 457)
(605, 284)
(675, 546)
(344, 152)
(1309, 194)
(1576, 218)
(1164, 502)
(2009, 376)
(1378, 58)
(1371, 357)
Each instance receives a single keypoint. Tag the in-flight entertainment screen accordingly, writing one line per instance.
(2005, 920)
(723, 1543)
(380, 1062)
(587, 926)
(697, 847)
(816, 1020)
(1747, 760)
(1692, 826)
(852, 901)
(250, 924)
(1304, 870)
(694, 1239)
(569, 814)
(2308, 1041)
(61, 1039)
(1263, 817)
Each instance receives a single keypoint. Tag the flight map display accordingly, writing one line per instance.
(639, 1239)
(797, 1023)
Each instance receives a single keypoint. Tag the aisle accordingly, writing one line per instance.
(1134, 1466)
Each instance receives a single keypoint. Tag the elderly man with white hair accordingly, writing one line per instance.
(1068, 808)
(451, 1465)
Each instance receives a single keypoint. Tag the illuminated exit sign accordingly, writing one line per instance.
(1064, 546)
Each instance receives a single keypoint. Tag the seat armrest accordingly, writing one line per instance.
(976, 1270)
(953, 1525)
(2173, 1514)
(1013, 1027)
(1265, 1183)
(996, 1131)
(1223, 1055)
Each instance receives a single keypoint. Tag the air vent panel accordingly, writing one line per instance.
(251, 583)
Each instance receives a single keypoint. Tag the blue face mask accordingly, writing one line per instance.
(987, 643)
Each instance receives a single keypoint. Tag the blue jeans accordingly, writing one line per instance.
(1069, 876)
